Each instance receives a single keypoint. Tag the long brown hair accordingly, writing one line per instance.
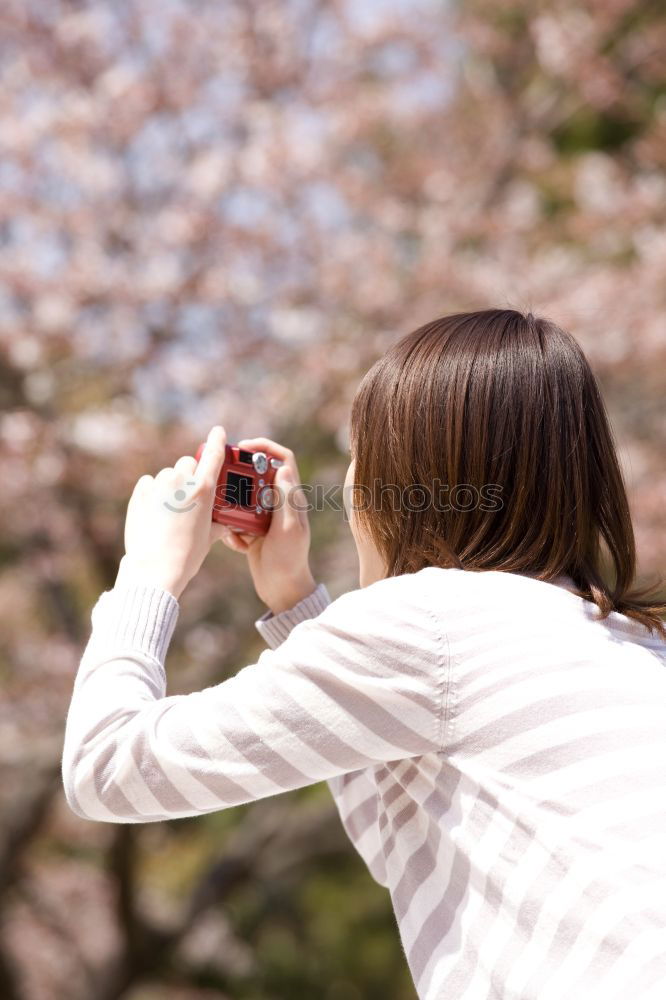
(502, 410)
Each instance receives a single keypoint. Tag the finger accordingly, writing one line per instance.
(164, 485)
(141, 488)
(246, 537)
(279, 451)
(143, 483)
(185, 466)
(164, 475)
(292, 510)
(222, 533)
(243, 538)
(212, 457)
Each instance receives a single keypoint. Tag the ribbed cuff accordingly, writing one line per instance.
(275, 628)
(136, 615)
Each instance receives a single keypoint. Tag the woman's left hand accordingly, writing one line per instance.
(169, 528)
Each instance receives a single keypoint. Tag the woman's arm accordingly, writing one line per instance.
(363, 682)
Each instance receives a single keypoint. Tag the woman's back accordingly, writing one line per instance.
(525, 858)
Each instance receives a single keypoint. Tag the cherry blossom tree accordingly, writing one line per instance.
(224, 213)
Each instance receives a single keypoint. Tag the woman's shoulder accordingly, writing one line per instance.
(405, 589)
(396, 610)
(432, 583)
(448, 593)
(408, 601)
(455, 601)
(416, 582)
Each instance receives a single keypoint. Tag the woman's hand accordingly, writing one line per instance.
(169, 528)
(278, 560)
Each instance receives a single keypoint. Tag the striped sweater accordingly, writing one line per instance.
(497, 757)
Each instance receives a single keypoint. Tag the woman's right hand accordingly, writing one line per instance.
(279, 560)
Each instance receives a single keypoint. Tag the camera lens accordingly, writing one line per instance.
(260, 462)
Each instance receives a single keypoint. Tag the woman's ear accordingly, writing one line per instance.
(347, 490)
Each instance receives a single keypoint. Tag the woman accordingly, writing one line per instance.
(488, 708)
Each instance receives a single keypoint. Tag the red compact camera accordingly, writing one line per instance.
(244, 495)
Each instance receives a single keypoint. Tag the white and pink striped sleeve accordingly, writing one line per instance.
(362, 682)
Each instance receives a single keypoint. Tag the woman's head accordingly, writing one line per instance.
(481, 441)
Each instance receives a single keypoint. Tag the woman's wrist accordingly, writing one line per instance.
(290, 593)
(131, 568)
